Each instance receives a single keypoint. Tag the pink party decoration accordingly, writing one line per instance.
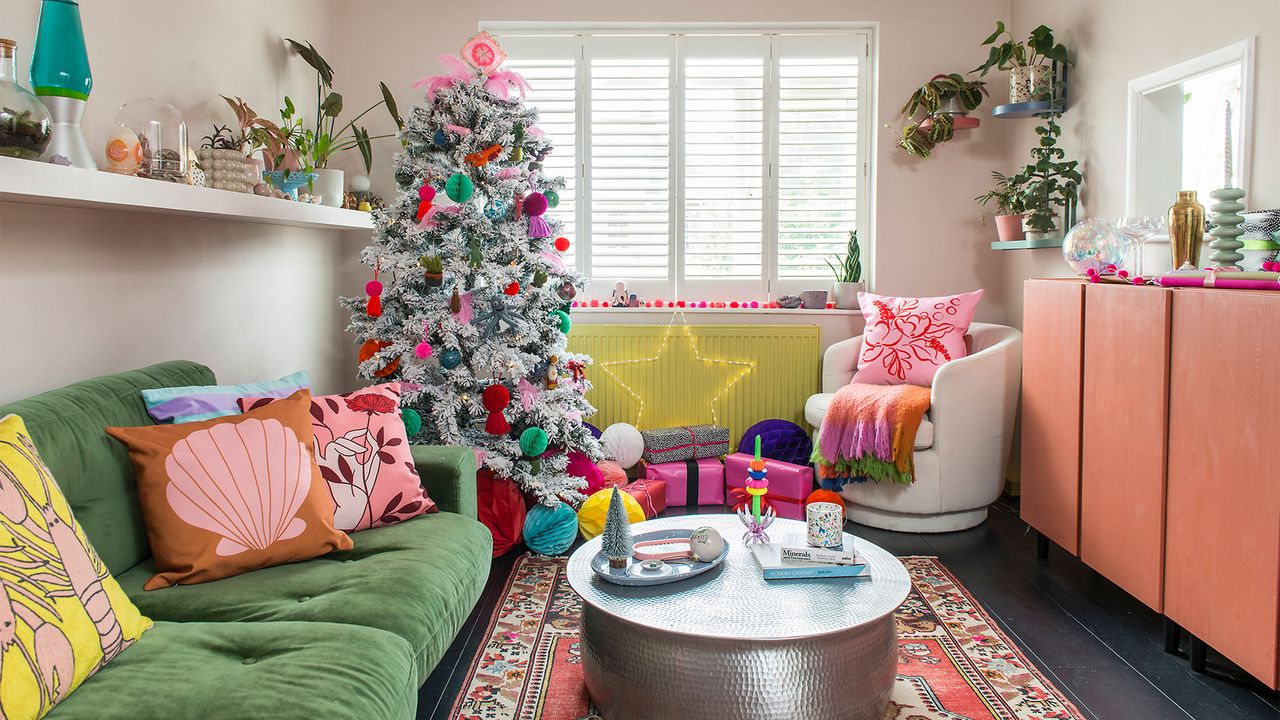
(581, 466)
(907, 339)
(456, 72)
(363, 452)
(423, 350)
(426, 192)
(507, 173)
(501, 83)
(535, 203)
(528, 394)
(458, 129)
(552, 259)
(483, 52)
(244, 481)
(467, 309)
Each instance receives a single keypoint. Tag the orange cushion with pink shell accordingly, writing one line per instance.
(233, 494)
(62, 615)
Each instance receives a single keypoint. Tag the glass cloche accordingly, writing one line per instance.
(25, 129)
(1095, 243)
(161, 136)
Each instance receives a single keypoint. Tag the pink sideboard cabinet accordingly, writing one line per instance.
(1148, 424)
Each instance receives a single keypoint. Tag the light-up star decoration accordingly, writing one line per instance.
(703, 380)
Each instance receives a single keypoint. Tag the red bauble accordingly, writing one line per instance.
(512, 288)
(562, 244)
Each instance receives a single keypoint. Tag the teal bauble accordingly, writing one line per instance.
(458, 187)
(496, 210)
(550, 530)
(439, 138)
(412, 421)
(562, 318)
(553, 198)
(533, 442)
(450, 359)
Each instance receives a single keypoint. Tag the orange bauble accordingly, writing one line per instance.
(371, 348)
(821, 495)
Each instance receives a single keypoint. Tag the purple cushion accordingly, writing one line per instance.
(779, 440)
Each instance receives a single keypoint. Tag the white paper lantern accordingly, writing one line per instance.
(624, 443)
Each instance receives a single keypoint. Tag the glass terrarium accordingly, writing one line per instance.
(162, 138)
(25, 128)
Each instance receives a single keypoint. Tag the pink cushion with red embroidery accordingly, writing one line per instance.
(363, 452)
(906, 340)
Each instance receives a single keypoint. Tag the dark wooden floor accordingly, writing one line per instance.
(1098, 645)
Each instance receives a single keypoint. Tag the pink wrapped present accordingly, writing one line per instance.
(690, 482)
(651, 494)
(789, 484)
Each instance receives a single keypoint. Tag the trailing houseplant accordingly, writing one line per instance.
(848, 274)
(1029, 77)
(930, 111)
(1051, 183)
(1006, 195)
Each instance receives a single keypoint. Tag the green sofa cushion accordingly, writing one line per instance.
(92, 469)
(233, 671)
(418, 580)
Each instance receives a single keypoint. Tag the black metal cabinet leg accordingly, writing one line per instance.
(1042, 546)
(1197, 650)
(1172, 635)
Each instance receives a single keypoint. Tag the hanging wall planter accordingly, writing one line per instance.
(937, 109)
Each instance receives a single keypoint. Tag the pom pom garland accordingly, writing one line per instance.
(423, 350)
(562, 244)
(550, 530)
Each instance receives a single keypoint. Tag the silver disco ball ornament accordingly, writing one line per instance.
(1094, 243)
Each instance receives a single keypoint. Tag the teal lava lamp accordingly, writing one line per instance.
(61, 79)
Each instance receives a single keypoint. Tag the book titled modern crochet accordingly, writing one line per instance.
(772, 565)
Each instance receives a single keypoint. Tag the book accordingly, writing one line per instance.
(820, 556)
(769, 557)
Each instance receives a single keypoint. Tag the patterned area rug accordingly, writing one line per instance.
(953, 662)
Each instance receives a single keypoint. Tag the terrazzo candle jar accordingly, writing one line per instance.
(825, 522)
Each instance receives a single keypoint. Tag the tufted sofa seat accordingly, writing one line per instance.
(350, 634)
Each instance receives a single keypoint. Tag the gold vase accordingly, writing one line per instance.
(1186, 230)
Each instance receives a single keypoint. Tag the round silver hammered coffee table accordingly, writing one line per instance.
(729, 645)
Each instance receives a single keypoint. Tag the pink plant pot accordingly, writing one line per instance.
(1009, 227)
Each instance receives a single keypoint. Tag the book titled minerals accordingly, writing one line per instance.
(774, 567)
(819, 556)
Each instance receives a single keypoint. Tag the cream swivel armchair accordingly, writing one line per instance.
(962, 446)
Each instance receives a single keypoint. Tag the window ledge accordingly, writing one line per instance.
(624, 312)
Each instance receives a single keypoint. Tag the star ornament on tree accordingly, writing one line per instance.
(702, 381)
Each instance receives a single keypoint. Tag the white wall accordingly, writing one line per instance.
(1115, 42)
(89, 292)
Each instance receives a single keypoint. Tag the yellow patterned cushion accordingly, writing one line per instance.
(62, 615)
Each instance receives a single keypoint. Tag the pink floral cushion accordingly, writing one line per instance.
(363, 452)
(906, 340)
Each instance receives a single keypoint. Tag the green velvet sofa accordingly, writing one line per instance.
(348, 635)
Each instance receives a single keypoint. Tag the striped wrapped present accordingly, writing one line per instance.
(686, 442)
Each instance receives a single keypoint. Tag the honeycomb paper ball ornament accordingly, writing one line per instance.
(412, 421)
(533, 441)
(458, 187)
(580, 466)
(562, 320)
(594, 509)
(550, 530)
(624, 443)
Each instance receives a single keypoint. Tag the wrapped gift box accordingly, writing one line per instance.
(789, 484)
(687, 442)
(692, 482)
(651, 494)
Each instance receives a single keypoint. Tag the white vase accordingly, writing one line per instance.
(328, 186)
(846, 295)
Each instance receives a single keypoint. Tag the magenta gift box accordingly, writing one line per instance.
(651, 494)
(789, 484)
(690, 482)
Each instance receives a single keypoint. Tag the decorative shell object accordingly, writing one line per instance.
(124, 152)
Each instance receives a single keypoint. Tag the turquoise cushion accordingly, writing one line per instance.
(195, 403)
(93, 470)
(418, 580)
(234, 671)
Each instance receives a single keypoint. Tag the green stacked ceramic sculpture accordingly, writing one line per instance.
(1225, 246)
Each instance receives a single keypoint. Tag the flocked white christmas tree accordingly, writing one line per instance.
(470, 299)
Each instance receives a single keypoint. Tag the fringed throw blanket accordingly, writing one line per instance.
(870, 431)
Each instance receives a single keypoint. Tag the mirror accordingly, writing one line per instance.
(1190, 128)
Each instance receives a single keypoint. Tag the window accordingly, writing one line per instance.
(716, 163)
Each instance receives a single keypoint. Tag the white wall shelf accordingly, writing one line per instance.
(26, 181)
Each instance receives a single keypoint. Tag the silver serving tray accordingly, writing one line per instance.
(635, 574)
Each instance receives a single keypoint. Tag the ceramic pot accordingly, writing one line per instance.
(813, 299)
(328, 186)
(1186, 230)
(1009, 227)
(433, 279)
(846, 295)
(1028, 83)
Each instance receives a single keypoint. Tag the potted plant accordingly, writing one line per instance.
(432, 270)
(325, 139)
(1050, 182)
(932, 109)
(848, 273)
(1007, 196)
(1030, 78)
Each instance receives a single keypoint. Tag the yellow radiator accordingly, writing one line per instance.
(733, 375)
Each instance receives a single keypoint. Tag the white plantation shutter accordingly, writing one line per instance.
(723, 153)
(817, 149)
(550, 67)
(630, 161)
(716, 164)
